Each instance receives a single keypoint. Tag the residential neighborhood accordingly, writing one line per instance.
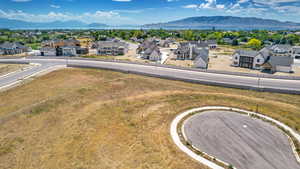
(149, 84)
(214, 54)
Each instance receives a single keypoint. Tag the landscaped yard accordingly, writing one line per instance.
(95, 119)
(7, 68)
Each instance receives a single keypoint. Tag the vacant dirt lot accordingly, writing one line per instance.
(7, 68)
(94, 119)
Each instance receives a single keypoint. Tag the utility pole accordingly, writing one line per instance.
(258, 86)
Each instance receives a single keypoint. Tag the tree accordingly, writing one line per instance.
(188, 35)
(254, 43)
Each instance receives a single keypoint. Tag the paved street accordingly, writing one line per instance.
(240, 140)
(187, 75)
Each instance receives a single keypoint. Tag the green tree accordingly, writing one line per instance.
(188, 35)
(254, 43)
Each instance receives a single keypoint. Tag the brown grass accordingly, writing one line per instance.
(81, 118)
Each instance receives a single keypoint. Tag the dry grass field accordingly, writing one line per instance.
(7, 68)
(95, 119)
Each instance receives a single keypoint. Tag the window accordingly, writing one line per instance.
(258, 60)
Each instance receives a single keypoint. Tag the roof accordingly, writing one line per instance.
(155, 53)
(15, 45)
(101, 44)
(202, 53)
(265, 53)
(281, 60)
(248, 53)
(196, 43)
(284, 48)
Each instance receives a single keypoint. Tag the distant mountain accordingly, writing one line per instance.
(12, 24)
(96, 25)
(225, 22)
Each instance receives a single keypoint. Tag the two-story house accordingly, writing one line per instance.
(276, 58)
(113, 48)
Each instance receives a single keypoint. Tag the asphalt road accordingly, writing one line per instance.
(239, 140)
(172, 73)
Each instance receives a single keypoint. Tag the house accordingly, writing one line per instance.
(196, 51)
(186, 50)
(8, 48)
(70, 47)
(48, 51)
(276, 58)
(212, 44)
(145, 45)
(149, 50)
(202, 58)
(227, 41)
(281, 59)
(245, 58)
(85, 42)
(114, 48)
(68, 51)
(152, 53)
(166, 43)
(60, 43)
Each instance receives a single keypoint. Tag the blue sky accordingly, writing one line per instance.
(144, 11)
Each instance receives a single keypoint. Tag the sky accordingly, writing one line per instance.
(127, 12)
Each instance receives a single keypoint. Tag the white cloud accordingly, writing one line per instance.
(21, 0)
(211, 4)
(190, 6)
(55, 6)
(122, 0)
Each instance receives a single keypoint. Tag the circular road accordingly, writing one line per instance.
(242, 141)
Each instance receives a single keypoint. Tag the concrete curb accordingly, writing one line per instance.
(20, 70)
(34, 74)
(180, 117)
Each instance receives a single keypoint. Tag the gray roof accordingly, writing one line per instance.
(203, 53)
(14, 45)
(281, 61)
(265, 52)
(101, 44)
(248, 53)
(196, 43)
(282, 47)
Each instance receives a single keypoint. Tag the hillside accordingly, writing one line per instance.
(226, 22)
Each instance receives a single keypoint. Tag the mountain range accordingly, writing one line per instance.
(13, 24)
(201, 22)
(225, 22)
